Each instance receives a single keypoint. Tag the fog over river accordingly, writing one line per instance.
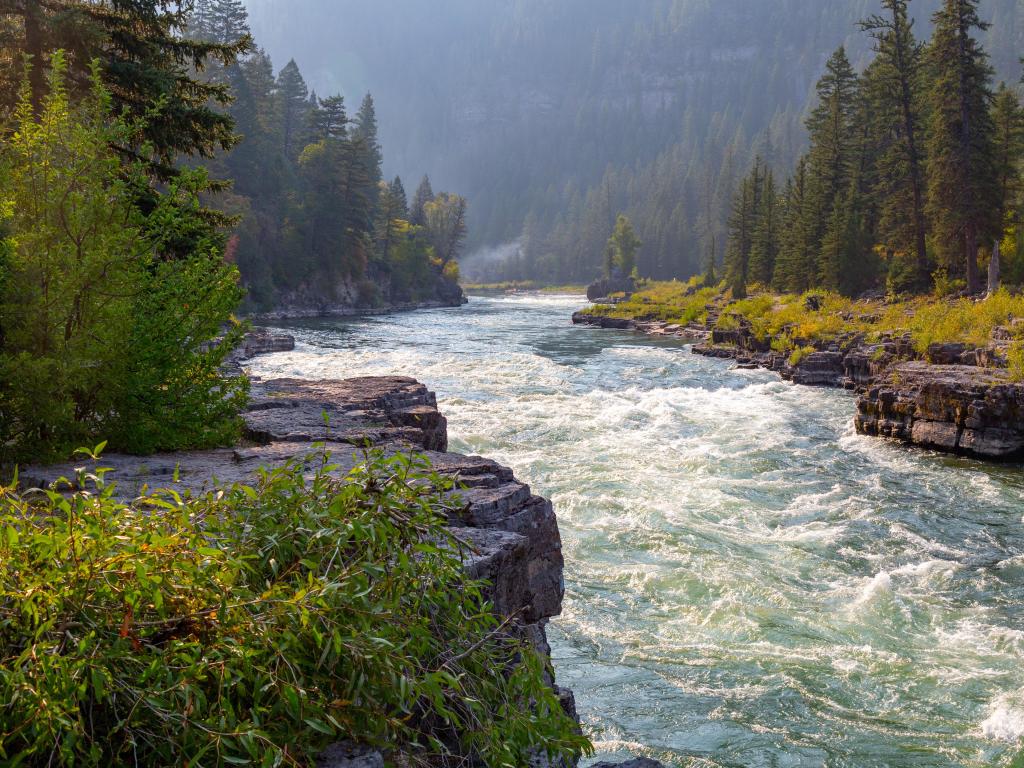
(748, 582)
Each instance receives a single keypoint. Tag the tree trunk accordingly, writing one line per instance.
(971, 250)
(993, 269)
(34, 47)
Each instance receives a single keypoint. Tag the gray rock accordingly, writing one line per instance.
(638, 762)
(954, 408)
(349, 755)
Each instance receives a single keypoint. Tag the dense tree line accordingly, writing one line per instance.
(912, 176)
(115, 298)
(654, 108)
(317, 222)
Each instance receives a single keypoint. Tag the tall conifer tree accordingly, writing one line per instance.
(895, 87)
(963, 184)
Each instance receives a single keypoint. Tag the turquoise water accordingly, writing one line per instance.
(748, 583)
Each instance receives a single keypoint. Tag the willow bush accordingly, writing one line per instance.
(112, 293)
(257, 625)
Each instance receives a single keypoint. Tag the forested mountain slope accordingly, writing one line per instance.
(553, 116)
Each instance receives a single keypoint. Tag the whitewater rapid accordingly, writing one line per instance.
(749, 582)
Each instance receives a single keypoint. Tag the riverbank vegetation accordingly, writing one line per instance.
(792, 321)
(316, 219)
(913, 176)
(258, 625)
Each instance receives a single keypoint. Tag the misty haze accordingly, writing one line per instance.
(512, 383)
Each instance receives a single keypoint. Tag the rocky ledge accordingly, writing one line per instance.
(954, 408)
(957, 399)
(513, 536)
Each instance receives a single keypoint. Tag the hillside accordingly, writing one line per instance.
(665, 107)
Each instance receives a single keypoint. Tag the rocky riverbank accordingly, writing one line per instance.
(513, 537)
(956, 399)
(355, 299)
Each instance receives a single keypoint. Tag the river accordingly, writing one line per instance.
(748, 582)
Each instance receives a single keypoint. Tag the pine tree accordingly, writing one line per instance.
(424, 194)
(895, 87)
(830, 126)
(624, 246)
(741, 230)
(364, 130)
(330, 120)
(293, 108)
(963, 187)
(764, 247)
(446, 226)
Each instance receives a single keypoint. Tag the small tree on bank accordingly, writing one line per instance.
(622, 249)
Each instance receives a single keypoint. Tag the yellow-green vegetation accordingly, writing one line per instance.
(928, 320)
(791, 321)
(799, 355)
(1015, 361)
(258, 625)
(671, 302)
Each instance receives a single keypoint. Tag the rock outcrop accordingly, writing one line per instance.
(511, 535)
(262, 341)
(607, 286)
(957, 399)
(371, 296)
(954, 408)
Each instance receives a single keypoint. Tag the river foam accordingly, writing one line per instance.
(749, 582)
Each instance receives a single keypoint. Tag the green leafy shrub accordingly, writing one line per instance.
(800, 354)
(108, 311)
(257, 625)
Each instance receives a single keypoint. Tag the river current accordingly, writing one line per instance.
(748, 582)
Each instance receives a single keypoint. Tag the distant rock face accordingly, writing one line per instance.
(348, 298)
(512, 535)
(954, 408)
(607, 286)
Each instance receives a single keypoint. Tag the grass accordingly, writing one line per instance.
(791, 322)
(671, 302)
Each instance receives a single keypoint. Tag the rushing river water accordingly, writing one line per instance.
(748, 582)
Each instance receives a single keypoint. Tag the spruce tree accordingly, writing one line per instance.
(796, 268)
(895, 78)
(397, 191)
(830, 126)
(293, 108)
(741, 230)
(1008, 117)
(424, 194)
(229, 21)
(146, 57)
(963, 188)
(764, 247)
(364, 130)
